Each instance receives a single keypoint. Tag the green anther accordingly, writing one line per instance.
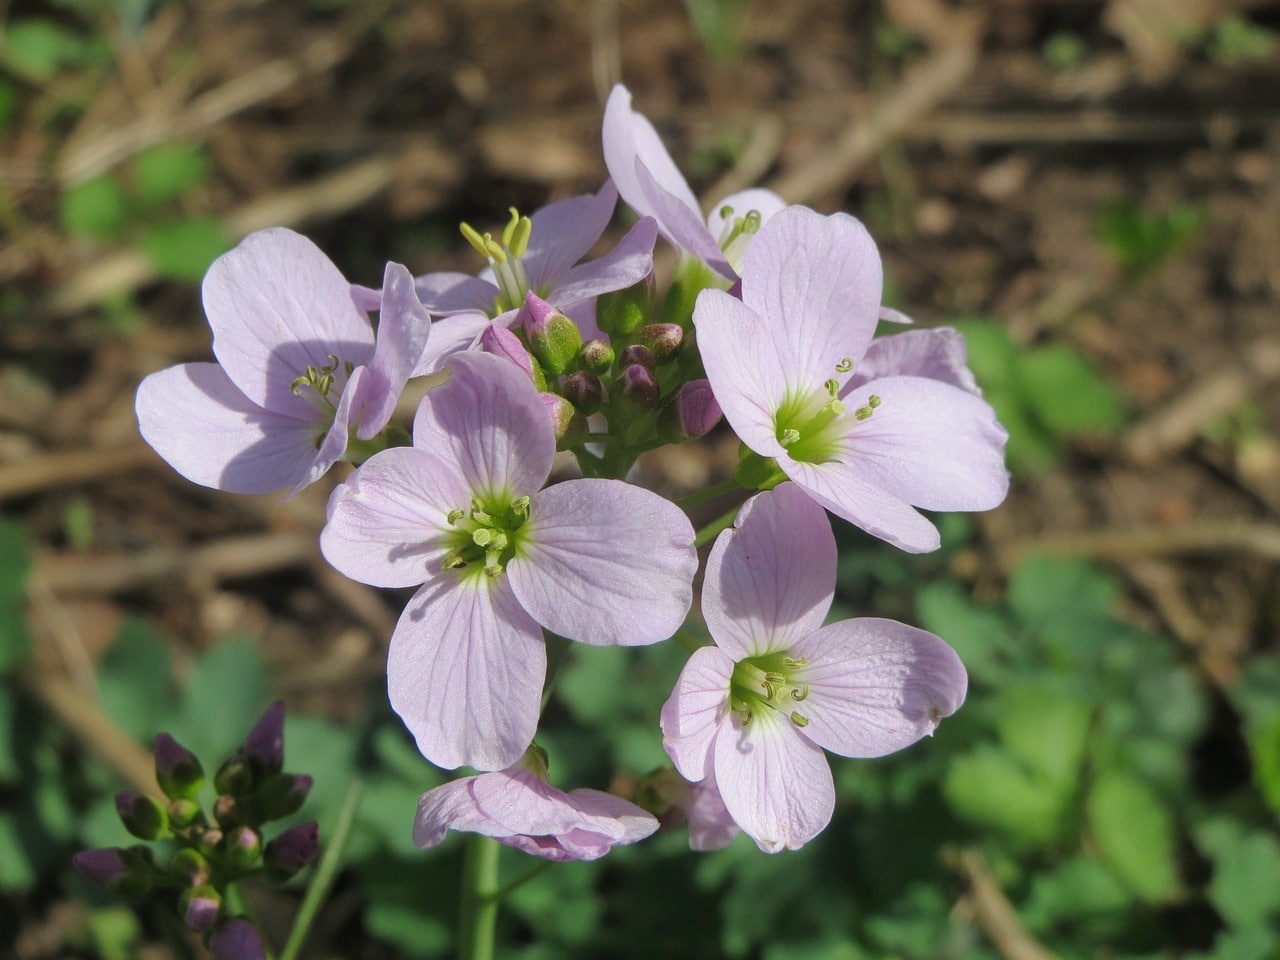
(516, 237)
(520, 508)
(751, 222)
(726, 212)
(837, 407)
(832, 386)
(473, 237)
(845, 365)
(453, 516)
(454, 561)
(800, 693)
(509, 230)
(799, 719)
(863, 413)
(795, 663)
(873, 401)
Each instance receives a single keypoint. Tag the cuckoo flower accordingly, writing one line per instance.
(298, 369)
(518, 807)
(757, 709)
(783, 361)
(462, 512)
(651, 184)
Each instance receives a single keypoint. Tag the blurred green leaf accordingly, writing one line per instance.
(990, 351)
(15, 564)
(1245, 889)
(979, 634)
(1135, 835)
(1065, 393)
(135, 681)
(1078, 889)
(1046, 589)
(183, 250)
(16, 871)
(165, 172)
(1236, 40)
(989, 789)
(1045, 729)
(717, 25)
(225, 694)
(38, 48)
(115, 932)
(1264, 747)
(95, 208)
(1140, 241)
(409, 900)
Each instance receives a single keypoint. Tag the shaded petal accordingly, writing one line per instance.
(451, 335)
(817, 281)
(937, 354)
(841, 488)
(710, 825)
(207, 430)
(465, 672)
(277, 304)
(334, 445)
(387, 524)
(630, 138)
(625, 265)
(764, 202)
(605, 562)
(775, 783)
(448, 293)
(743, 367)
(876, 686)
(930, 444)
(403, 329)
(696, 709)
(563, 232)
(771, 579)
(682, 225)
(488, 421)
(449, 806)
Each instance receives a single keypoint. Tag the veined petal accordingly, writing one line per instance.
(876, 686)
(682, 225)
(764, 202)
(743, 367)
(937, 354)
(775, 783)
(930, 444)
(629, 137)
(451, 335)
(625, 265)
(840, 488)
(771, 579)
(465, 672)
(696, 709)
(386, 523)
(710, 825)
(277, 304)
(207, 430)
(605, 562)
(817, 280)
(334, 444)
(403, 329)
(444, 294)
(563, 232)
(489, 422)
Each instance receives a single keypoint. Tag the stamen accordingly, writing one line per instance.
(799, 719)
(789, 436)
(845, 365)
(453, 516)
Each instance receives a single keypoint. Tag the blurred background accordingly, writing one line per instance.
(1090, 189)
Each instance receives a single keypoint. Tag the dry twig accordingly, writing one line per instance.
(995, 915)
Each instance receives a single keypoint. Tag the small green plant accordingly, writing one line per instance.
(1139, 240)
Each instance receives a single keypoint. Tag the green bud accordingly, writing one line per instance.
(241, 848)
(178, 771)
(281, 795)
(235, 777)
(620, 313)
(200, 907)
(596, 356)
(553, 338)
(183, 813)
(663, 340)
(142, 816)
(190, 867)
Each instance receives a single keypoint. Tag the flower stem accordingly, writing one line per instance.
(708, 533)
(702, 496)
(326, 872)
(479, 899)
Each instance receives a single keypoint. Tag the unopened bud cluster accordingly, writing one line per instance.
(191, 854)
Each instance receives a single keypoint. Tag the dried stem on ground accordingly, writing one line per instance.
(995, 915)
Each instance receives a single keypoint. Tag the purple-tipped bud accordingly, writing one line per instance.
(241, 847)
(569, 424)
(141, 815)
(596, 356)
(281, 795)
(622, 312)
(237, 939)
(235, 777)
(689, 413)
(190, 867)
(663, 339)
(637, 386)
(501, 342)
(209, 841)
(637, 353)
(105, 866)
(177, 770)
(264, 746)
(584, 390)
(199, 907)
(297, 847)
(231, 811)
(553, 338)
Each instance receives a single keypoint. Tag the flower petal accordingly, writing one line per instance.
(488, 421)
(710, 825)
(403, 329)
(563, 232)
(930, 444)
(775, 783)
(605, 562)
(764, 202)
(207, 430)
(277, 304)
(465, 672)
(682, 225)
(444, 294)
(334, 443)
(876, 686)
(937, 354)
(625, 265)
(696, 709)
(771, 579)
(630, 138)
(451, 335)
(388, 522)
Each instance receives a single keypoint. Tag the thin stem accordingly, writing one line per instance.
(479, 899)
(557, 653)
(326, 872)
(508, 888)
(708, 533)
(702, 496)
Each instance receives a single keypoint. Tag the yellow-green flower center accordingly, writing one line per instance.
(486, 535)
(771, 681)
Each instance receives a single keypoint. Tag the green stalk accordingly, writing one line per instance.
(710, 493)
(326, 872)
(479, 899)
(708, 533)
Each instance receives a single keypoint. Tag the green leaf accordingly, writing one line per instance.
(38, 48)
(1047, 589)
(1134, 832)
(1264, 747)
(225, 695)
(989, 789)
(990, 351)
(115, 932)
(15, 564)
(16, 871)
(1140, 241)
(95, 208)
(1079, 889)
(1065, 393)
(1045, 728)
(979, 634)
(135, 681)
(183, 250)
(1245, 889)
(165, 172)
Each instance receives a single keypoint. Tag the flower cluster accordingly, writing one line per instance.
(769, 321)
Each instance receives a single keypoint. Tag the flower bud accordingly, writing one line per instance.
(231, 811)
(637, 353)
(264, 746)
(689, 413)
(501, 342)
(199, 907)
(235, 777)
(190, 867)
(237, 939)
(620, 313)
(281, 795)
(637, 386)
(177, 770)
(569, 425)
(183, 813)
(584, 390)
(662, 339)
(141, 815)
(241, 847)
(554, 339)
(295, 848)
(596, 356)
(129, 871)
